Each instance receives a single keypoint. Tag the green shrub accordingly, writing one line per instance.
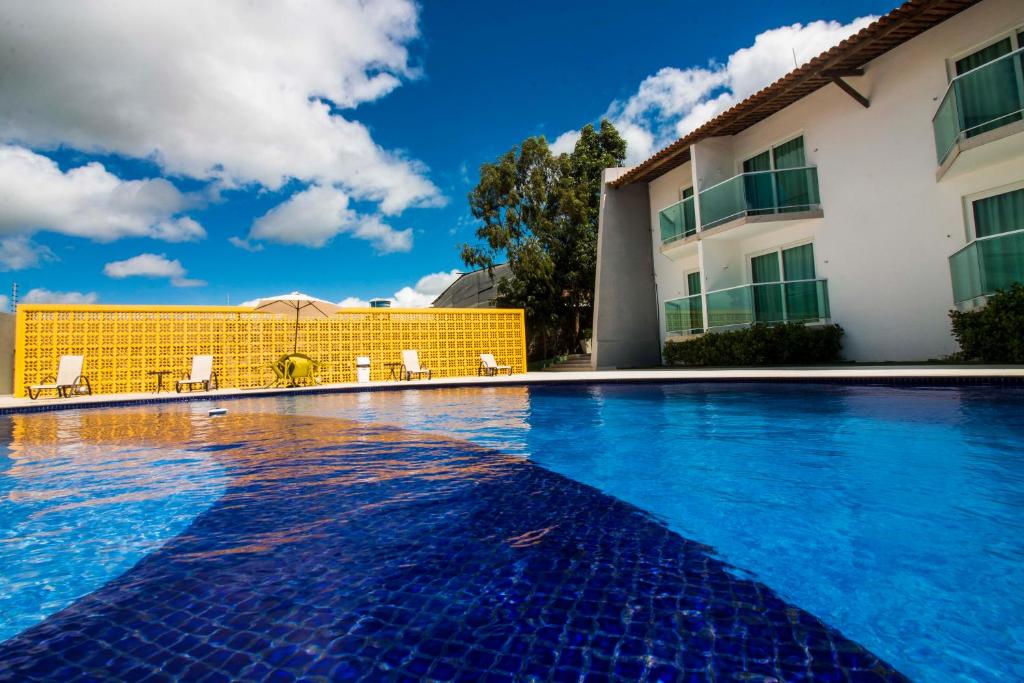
(995, 333)
(787, 344)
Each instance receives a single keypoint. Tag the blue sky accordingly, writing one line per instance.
(185, 153)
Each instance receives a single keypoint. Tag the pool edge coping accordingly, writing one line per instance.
(854, 376)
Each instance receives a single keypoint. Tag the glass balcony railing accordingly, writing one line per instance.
(677, 220)
(771, 302)
(684, 316)
(759, 193)
(979, 100)
(986, 265)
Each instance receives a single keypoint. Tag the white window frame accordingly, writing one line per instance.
(686, 281)
(968, 205)
(771, 146)
(748, 257)
(684, 189)
(1015, 44)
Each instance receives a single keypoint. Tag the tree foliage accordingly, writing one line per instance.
(538, 212)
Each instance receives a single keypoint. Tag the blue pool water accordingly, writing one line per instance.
(892, 515)
(895, 514)
(74, 516)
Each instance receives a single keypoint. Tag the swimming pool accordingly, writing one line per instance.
(893, 515)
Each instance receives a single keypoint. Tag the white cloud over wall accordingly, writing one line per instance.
(314, 216)
(46, 296)
(87, 201)
(420, 295)
(152, 266)
(675, 101)
(233, 91)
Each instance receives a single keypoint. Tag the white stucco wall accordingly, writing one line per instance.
(670, 275)
(889, 226)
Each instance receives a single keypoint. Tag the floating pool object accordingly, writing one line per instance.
(218, 411)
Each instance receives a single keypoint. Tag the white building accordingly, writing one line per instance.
(877, 187)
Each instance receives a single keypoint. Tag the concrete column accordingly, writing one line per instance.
(625, 299)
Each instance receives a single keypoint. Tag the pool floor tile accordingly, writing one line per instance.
(352, 553)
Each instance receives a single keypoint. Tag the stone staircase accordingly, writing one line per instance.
(577, 362)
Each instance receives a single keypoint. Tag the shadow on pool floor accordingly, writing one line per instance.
(354, 552)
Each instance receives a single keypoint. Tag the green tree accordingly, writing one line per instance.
(539, 213)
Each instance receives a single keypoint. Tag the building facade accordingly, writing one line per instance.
(878, 187)
(475, 289)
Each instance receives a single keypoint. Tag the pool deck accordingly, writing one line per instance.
(885, 374)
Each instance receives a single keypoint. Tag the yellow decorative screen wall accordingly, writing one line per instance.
(121, 344)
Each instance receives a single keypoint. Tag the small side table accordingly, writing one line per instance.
(159, 378)
(394, 370)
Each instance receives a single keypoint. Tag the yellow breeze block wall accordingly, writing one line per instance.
(121, 344)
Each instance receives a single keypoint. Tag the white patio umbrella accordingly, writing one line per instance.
(302, 305)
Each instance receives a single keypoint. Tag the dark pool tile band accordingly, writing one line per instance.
(377, 554)
(862, 380)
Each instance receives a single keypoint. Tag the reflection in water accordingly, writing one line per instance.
(896, 514)
(78, 506)
(343, 549)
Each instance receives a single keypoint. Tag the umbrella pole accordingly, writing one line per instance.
(295, 346)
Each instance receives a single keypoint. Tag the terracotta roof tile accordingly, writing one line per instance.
(891, 30)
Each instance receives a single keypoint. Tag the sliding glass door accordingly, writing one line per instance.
(770, 187)
(990, 97)
(766, 276)
(792, 188)
(801, 297)
(758, 186)
(784, 285)
(999, 229)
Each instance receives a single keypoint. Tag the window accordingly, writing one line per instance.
(689, 213)
(998, 214)
(783, 191)
(693, 283)
(784, 285)
(992, 96)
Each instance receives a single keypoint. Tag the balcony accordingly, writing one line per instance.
(986, 265)
(980, 106)
(768, 303)
(677, 221)
(684, 316)
(790, 193)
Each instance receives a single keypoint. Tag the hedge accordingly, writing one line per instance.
(995, 333)
(785, 344)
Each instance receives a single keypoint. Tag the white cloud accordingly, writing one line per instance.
(19, 252)
(234, 91)
(673, 102)
(316, 215)
(384, 238)
(565, 142)
(45, 296)
(151, 265)
(421, 295)
(5, 302)
(87, 201)
(245, 244)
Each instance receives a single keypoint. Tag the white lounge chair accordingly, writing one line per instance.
(490, 367)
(411, 366)
(202, 374)
(69, 379)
